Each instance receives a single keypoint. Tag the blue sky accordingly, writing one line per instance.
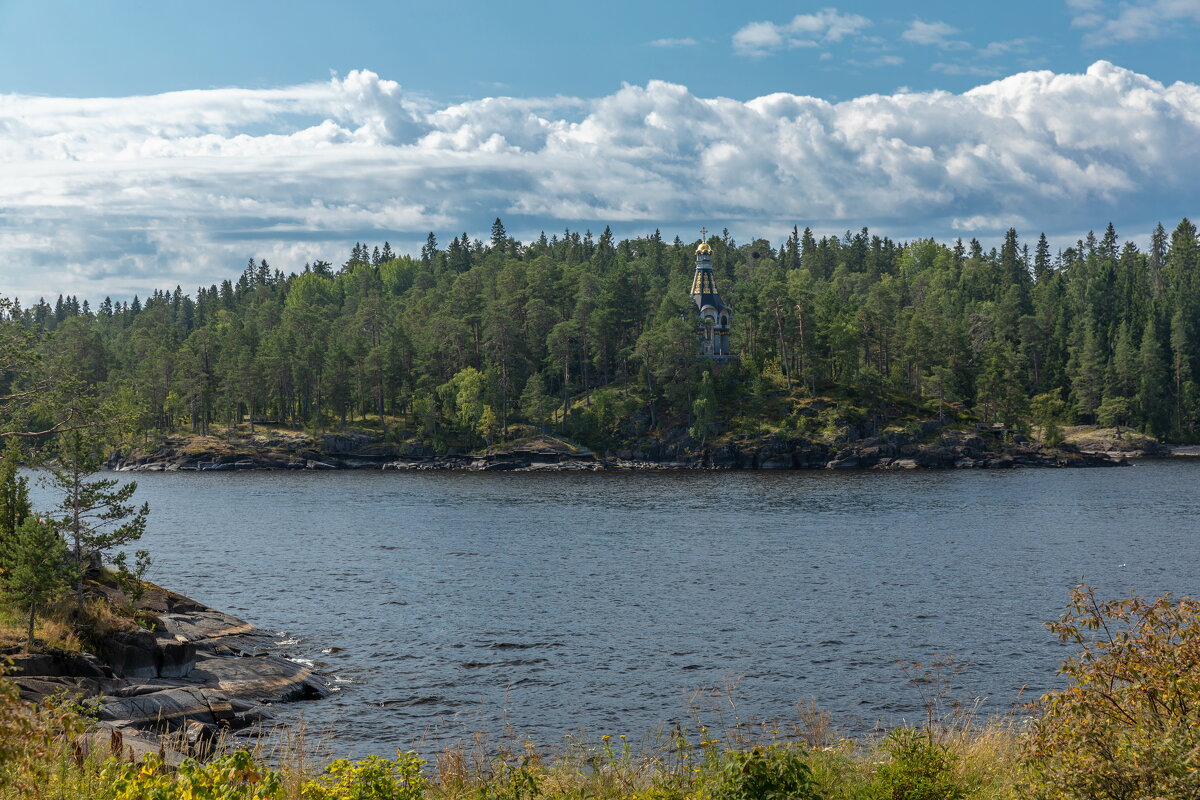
(153, 143)
(460, 49)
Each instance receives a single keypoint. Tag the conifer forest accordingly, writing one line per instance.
(597, 338)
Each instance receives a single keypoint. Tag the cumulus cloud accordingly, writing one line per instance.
(804, 30)
(118, 195)
(935, 34)
(1132, 20)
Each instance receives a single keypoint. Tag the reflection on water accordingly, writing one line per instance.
(553, 603)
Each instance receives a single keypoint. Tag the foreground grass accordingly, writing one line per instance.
(53, 753)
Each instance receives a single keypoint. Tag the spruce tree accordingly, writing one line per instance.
(1153, 374)
(499, 237)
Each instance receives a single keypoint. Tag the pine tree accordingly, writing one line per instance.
(95, 515)
(36, 570)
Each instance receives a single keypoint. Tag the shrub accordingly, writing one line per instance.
(372, 778)
(237, 776)
(920, 768)
(1128, 724)
(773, 772)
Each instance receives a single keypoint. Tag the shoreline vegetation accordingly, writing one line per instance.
(1125, 728)
(835, 343)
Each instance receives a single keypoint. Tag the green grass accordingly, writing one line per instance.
(51, 755)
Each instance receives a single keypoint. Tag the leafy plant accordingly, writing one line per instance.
(372, 778)
(920, 768)
(1128, 723)
(237, 776)
(771, 772)
(510, 782)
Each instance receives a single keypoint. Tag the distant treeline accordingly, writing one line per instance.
(469, 337)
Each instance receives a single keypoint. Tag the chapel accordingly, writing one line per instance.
(714, 314)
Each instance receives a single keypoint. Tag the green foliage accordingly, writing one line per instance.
(1114, 411)
(535, 403)
(527, 328)
(464, 394)
(512, 781)
(373, 778)
(130, 579)
(1128, 723)
(237, 776)
(14, 492)
(1049, 411)
(769, 772)
(95, 514)
(36, 570)
(919, 768)
(704, 411)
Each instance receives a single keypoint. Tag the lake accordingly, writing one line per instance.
(603, 603)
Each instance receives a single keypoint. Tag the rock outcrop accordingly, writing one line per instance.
(929, 446)
(198, 672)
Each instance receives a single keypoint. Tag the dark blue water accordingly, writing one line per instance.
(551, 604)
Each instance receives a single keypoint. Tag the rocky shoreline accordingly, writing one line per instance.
(894, 451)
(197, 675)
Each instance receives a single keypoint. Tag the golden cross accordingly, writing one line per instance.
(703, 234)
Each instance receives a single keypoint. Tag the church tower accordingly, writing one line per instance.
(714, 314)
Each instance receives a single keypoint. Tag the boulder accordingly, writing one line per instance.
(131, 654)
(776, 461)
(850, 462)
(141, 654)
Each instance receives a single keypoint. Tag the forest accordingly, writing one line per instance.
(597, 338)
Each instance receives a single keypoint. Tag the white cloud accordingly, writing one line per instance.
(879, 61)
(119, 195)
(934, 34)
(974, 70)
(687, 41)
(1133, 20)
(804, 30)
(994, 49)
